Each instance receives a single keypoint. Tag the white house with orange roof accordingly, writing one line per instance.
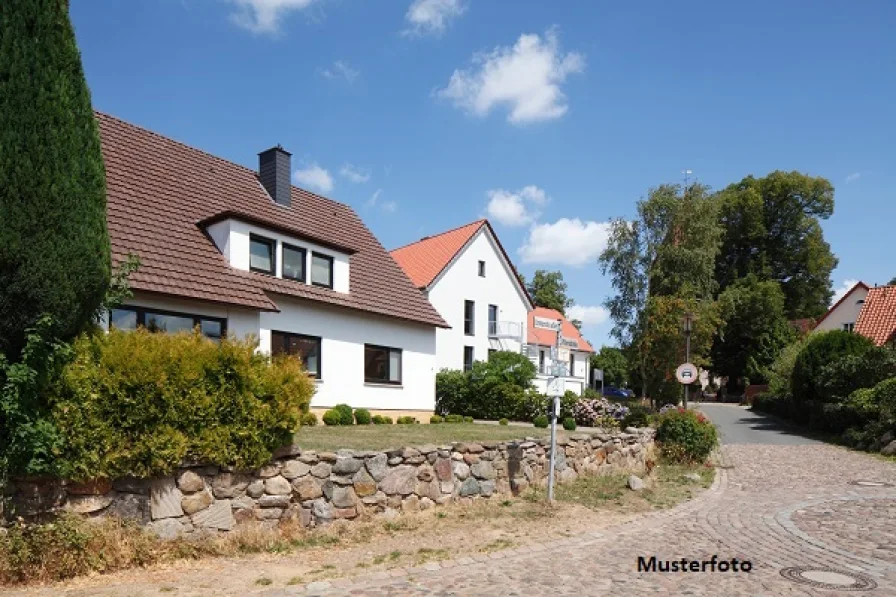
(573, 353)
(467, 276)
(844, 314)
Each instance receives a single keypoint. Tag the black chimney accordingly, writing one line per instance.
(274, 173)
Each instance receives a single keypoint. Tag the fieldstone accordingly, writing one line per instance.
(635, 483)
(132, 485)
(363, 483)
(346, 513)
(321, 470)
(427, 449)
(471, 458)
(610, 447)
(562, 441)
(165, 499)
(447, 486)
(430, 489)
(391, 513)
(269, 470)
(294, 469)
(378, 466)
(456, 456)
(273, 501)
(195, 502)
(241, 503)
(255, 489)
(889, 449)
(461, 470)
(444, 500)
(426, 503)
(344, 497)
(487, 488)
(268, 513)
(425, 473)
(287, 451)
(94, 487)
(887, 437)
(491, 445)
(469, 447)
(130, 506)
(217, 516)
(346, 465)
(307, 488)
(518, 486)
(415, 460)
(189, 482)
(277, 486)
(327, 456)
(567, 475)
(244, 515)
(394, 501)
(87, 504)
(483, 470)
(400, 480)
(469, 487)
(166, 528)
(228, 485)
(322, 511)
(327, 488)
(341, 480)
(411, 504)
(309, 457)
(409, 452)
(443, 469)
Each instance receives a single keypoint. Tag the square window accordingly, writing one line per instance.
(468, 358)
(321, 270)
(481, 269)
(294, 263)
(211, 328)
(123, 319)
(307, 348)
(382, 364)
(261, 254)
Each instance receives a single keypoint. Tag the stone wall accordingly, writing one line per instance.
(317, 487)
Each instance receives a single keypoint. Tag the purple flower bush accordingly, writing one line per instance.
(601, 410)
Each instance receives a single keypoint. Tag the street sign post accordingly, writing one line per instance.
(557, 380)
(548, 324)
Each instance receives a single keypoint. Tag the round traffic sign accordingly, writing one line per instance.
(686, 373)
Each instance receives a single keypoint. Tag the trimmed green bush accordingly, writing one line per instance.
(332, 418)
(381, 420)
(569, 424)
(435, 420)
(821, 351)
(541, 422)
(454, 418)
(638, 416)
(309, 420)
(138, 403)
(468, 419)
(504, 422)
(491, 390)
(362, 416)
(686, 436)
(346, 414)
(406, 420)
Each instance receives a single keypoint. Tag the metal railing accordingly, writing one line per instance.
(512, 330)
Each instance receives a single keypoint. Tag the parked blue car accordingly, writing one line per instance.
(621, 393)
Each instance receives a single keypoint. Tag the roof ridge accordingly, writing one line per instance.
(206, 153)
(480, 221)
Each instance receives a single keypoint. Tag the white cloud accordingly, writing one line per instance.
(314, 176)
(566, 242)
(839, 293)
(354, 173)
(515, 208)
(264, 16)
(432, 16)
(588, 315)
(526, 78)
(854, 176)
(387, 206)
(373, 198)
(341, 70)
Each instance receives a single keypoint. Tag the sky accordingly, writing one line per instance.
(548, 118)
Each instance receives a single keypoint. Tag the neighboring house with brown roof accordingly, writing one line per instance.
(466, 274)
(878, 317)
(845, 312)
(242, 252)
(573, 354)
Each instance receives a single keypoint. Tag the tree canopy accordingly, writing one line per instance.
(548, 290)
(613, 363)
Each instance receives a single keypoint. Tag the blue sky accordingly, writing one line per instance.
(549, 118)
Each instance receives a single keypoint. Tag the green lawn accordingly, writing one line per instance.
(381, 437)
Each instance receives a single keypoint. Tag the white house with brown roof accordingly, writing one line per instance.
(844, 314)
(242, 252)
(466, 274)
(573, 353)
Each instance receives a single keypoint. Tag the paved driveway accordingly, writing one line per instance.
(784, 502)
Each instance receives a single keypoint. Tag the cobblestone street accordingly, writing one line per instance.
(777, 503)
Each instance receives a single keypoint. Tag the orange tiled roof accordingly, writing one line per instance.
(425, 259)
(842, 298)
(877, 319)
(548, 337)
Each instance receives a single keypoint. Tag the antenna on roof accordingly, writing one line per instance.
(687, 175)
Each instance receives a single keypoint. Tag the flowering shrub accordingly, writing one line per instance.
(686, 435)
(588, 412)
(667, 408)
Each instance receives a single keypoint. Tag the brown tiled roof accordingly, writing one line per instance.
(159, 191)
(425, 259)
(877, 319)
(548, 337)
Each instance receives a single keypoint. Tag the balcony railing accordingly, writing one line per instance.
(512, 330)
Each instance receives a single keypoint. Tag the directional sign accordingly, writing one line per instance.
(598, 375)
(558, 369)
(547, 324)
(563, 355)
(569, 342)
(686, 373)
(555, 386)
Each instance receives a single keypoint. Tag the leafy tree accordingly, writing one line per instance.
(753, 331)
(822, 350)
(548, 290)
(612, 362)
(892, 282)
(772, 230)
(54, 246)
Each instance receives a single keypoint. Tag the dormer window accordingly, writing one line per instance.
(294, 263)
(261, 254)
(321, 270)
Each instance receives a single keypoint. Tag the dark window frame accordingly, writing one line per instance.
(469, 367)
(311, 269)
(541, 360)
(572, 364)
(197, 319)
(288, 247)
(470, 321)
(318, 375)
(272, 244)
(481, 268)
(389, 350)
(492, 323)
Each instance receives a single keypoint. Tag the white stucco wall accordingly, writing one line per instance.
(232, 239)
(461, 281)
(846, 312)
(343, 335)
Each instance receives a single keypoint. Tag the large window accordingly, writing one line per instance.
(294, 262)
(468, 358)
(129, 318)
(261, 254)
(321, 270)
(382, 364)
(469, 318)
(306, 348)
